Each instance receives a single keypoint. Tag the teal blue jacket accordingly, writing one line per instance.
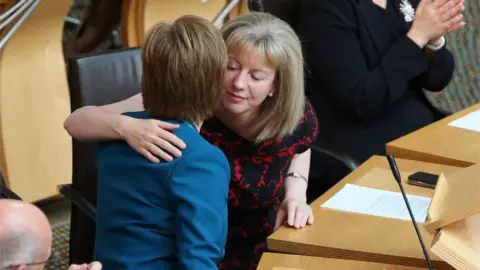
(169, 215)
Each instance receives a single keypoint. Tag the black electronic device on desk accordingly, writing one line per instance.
(423, 179)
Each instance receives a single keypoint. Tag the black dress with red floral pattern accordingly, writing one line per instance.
(256, 187)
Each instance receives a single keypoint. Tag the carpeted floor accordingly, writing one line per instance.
(60, 248)
(463, 91)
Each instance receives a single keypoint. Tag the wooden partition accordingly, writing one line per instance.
(139, 15)
(35, 150)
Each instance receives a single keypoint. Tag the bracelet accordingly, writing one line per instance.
(437, 47)
(297, 175)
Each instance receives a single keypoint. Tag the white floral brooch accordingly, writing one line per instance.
(407, 10)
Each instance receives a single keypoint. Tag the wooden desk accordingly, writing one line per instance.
(345, 235)
(272, 261)
(440, 143)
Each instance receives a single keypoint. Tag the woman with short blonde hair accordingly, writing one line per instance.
(162, 217)
(263, 124)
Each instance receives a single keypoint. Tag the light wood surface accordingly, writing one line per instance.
(454, 215)
(131, 25)
(440, 143)
(459, 243)
(345, 235)
(456, 198)
(35, 150)
(139, 15)
(272, 261)
(240, 9)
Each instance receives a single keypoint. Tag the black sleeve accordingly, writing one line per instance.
(307, 130)
(336, 60)
(440, 70)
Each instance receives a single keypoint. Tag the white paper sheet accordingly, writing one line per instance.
(376, 202)
(470, 121)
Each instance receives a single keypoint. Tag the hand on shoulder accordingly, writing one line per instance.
(91, 266)
(152, 138)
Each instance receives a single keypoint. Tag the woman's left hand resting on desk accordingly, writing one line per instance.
(294, 209)
(295, 213)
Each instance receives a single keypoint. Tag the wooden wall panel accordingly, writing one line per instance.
(34, 101)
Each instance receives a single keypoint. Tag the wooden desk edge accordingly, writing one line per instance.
(409, 154)
(272, 261)
(279, 245)
(396, 150)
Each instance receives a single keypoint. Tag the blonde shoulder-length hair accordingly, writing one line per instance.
(274, 38)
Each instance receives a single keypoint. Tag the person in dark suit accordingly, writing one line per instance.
(168, 215)
(369, 62)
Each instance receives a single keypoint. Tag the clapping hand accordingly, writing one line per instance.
(433, 19)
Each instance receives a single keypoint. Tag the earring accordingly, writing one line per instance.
(270, 94)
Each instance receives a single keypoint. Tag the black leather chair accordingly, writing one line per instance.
(94, 79)
(5, 192)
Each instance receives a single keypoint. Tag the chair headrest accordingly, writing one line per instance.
(105, 77)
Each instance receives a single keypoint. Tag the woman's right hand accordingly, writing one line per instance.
(91, 266)
(151, 138)
(434, 19)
